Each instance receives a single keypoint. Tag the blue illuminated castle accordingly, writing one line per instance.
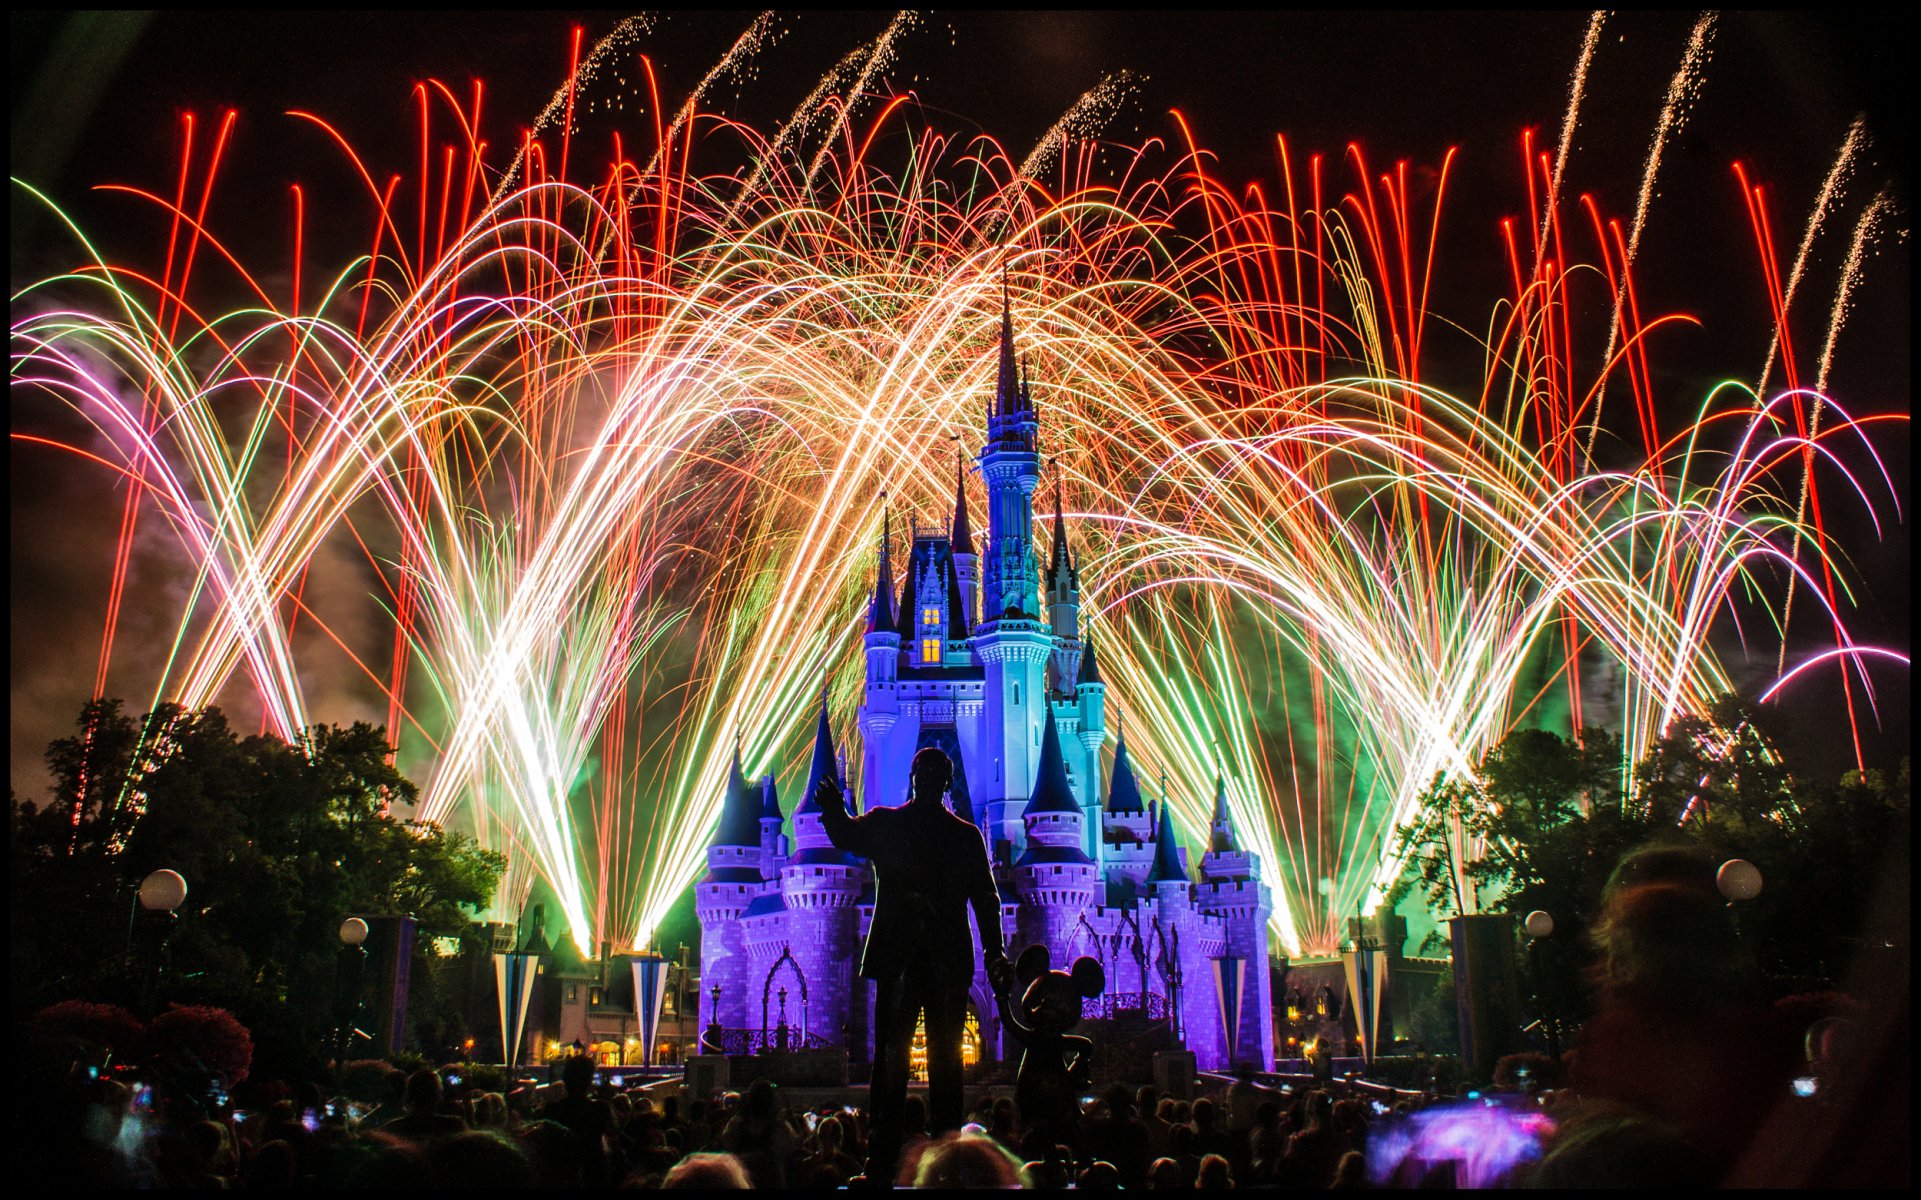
(981, 654)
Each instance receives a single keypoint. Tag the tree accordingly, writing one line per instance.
(278, 843)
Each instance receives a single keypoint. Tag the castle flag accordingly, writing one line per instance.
(515, 974)
(1229, 976)
(650, 987)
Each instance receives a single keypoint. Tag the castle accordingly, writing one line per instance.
(963, 659)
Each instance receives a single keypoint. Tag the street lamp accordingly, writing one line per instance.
(163, 891)
(1738, 879)
(1539, 926)
(350, 967)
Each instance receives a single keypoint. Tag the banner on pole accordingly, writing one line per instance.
(514, 973)
(1366, 983)
(1230, 976)
(650, 988)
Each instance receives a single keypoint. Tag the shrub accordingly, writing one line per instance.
(88, 1030)
(204, 1038)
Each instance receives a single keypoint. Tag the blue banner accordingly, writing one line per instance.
(650, 987)
(515, 975)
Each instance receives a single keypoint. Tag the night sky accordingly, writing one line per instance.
(95, 100)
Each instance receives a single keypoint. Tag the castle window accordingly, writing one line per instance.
(1017, 693)
(930, 650)
(930, 616)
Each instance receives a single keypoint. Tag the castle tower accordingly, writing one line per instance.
(1127, 850)
(1054, 877)
(880, 705)
(1091, 697)
(732, 883)
(1231, 889)
(773, 846)
(1063, 577)
(819, 886)
(1011, 641)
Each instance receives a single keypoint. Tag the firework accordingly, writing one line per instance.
(614, 444)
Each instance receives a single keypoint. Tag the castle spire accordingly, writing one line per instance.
(1167, 852)
(962, 535)
(823, 767)
(880, 614)
(1221, 835)
(1052, 792)
(1123, 789)
(739, 811)
(1058, 561)
(1090, 673)
(1007, 386)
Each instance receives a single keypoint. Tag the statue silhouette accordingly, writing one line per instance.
(929, 866)
(1054, 1069)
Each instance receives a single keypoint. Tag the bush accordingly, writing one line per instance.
(205, 1039)
(89, 1031)
(369, 1080)
(1538, 1068)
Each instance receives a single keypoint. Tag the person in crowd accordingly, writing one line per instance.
(1314, 1152)
(1679, 1032)
(1351, 1172)
(587, 1117)
(707, 1172)
(967, 1161)
(760, 1138)
(424, 1120)
(1164, 1175)
(1214, 1174)
(829, 1166)
(1119, 1138)
(478, 1159)
(1147, 1104)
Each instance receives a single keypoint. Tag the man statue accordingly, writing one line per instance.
(929, 866)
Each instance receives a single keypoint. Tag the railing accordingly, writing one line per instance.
(1149, 1004)
(779, 1040)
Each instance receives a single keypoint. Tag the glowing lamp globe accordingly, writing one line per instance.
(163, 891)
(1738, 879)
(1538, 924)
(353, 931)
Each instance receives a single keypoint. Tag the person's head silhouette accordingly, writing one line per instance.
(932, 772)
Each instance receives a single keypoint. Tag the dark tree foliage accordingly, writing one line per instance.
(278, 843)
(1545, 820)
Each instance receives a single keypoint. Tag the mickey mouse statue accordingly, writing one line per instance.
(1054, 1068)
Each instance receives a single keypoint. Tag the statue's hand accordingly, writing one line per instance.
(1000, 973)
(827, 794)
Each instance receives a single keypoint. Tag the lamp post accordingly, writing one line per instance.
(1539, 926)
(163, 891)
(350, 969)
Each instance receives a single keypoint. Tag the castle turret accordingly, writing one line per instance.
(732, 883)
(1054, 877)
(819, 886)
(1090, 695)
(1127, 850)
(1231, 890)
